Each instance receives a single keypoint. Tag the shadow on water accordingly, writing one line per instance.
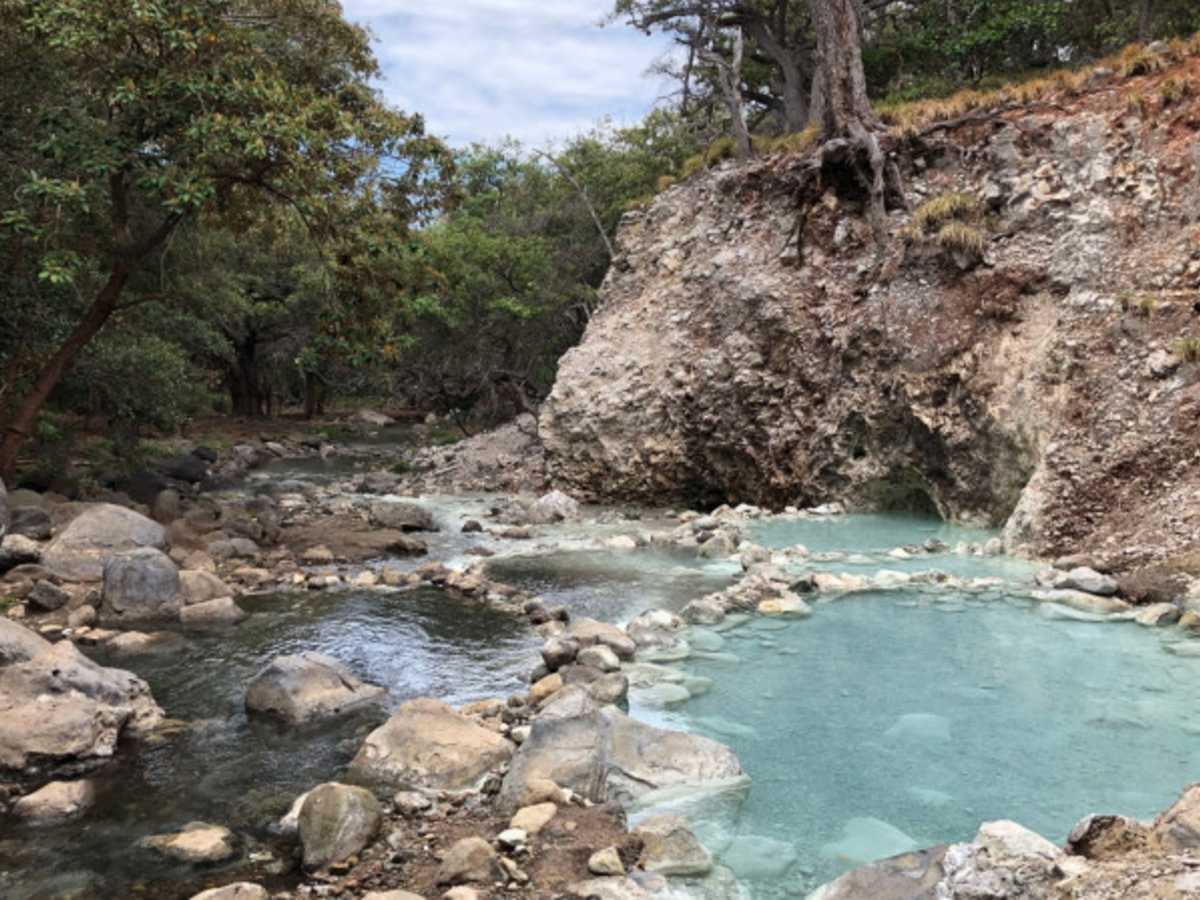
(244, 772)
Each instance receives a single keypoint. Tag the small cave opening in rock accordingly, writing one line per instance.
(905, 492)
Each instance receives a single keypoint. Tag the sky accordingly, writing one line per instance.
(537, 70)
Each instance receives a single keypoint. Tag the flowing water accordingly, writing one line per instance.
(884, 722)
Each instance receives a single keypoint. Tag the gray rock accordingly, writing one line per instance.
(598, 656)
(469, 860)
(18, 550)
(554, 507)
(167, 506)
(426, 745)
(100, 532)
(401, 516)
(233, 548)
(587, 632)
(606, 862)
(612, 688)
(140, 586)
(199, 587)
(47, 596)
(31, 522)
(336, 822)
(1089, 581)
(1178, 828)
(605, 755)
(307, 687)
(670, 848)
(18, 643)
(912, 876)
(558, 652)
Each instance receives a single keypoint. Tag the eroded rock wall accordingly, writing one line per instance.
(745, 354)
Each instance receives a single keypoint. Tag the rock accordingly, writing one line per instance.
(472, 526)
(233, 548)
(462, 892)
(587, 632)
(31, 522)
(47, 596)
(910, 876)
(307, 687)
(426, 745)
(1178, 829)
(606, 862)
(18, 550)
(391, 895)
(706, 611)
(469, 860)
(554, 507)
(213, 613)
(610, 688)
(80, 551)
(512, 839)
(1005, 839)
(599, 656)
(721, 545)
(604, 755)
(56, 801)
(336, 822)
(1161, 364)
(866, 839)
(5, 515)
(609, 889)
(1157, 615)
(140, 643)
(669, 847)
(201, 587)
(558, 652)
(59, 708)
(19, 644)
(1089, 581)
(411, 803)
(198, 842)
(242, 890)
(401, 516)
(544, 688)
(140, 586)
(189, 467)
(532, 819)
(374, 419)
(787, 604)
(1102, 837)
(83, 617)
(167, 506)
(1082, 601)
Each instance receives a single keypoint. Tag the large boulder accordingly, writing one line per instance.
(60, 709)
(426, 745)
(336, 822)
(19, 644)
(401, 516)
(96, 535)
(1177, 830)
(140, 586)
(307, 687)
(603, 754)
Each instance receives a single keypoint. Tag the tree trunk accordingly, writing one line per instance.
(793, 83)
(1145, 8)
(729, 77)
(311, 390)
(842, 109)
(21, 427)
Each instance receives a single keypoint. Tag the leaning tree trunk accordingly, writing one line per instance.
(729, 78)
(841, 108)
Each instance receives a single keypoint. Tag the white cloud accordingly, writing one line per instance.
(534, 69)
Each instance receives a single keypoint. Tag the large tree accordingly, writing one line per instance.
(143, 115)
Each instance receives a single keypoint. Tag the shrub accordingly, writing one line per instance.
(664, 182)
(1174, 89)
(721, 149)
(1137, 104)
(692, 165)
(1187, 348)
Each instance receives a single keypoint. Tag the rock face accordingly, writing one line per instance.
(336, 822)
(140, 586)
(308, 687)
(97, 534)
(729, 361)
(603, 754)
(426, 745)
(60, 710)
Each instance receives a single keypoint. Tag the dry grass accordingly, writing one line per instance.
(1187, 348)
(1138, 59)
(794, 144)
(1174, 89)
(1144, 305)
(932, 214)
(961, 237)
(664, 182)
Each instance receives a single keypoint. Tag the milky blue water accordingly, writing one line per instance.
(887, 722)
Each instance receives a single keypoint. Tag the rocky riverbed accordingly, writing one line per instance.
(311, 686)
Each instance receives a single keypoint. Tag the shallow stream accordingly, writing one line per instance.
(884, 722)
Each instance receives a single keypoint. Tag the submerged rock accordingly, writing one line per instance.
(426, 745)
(865, 839)
(56, 801)
(911, 876)
(307, 687)
(336, 822)
(243, 890)
(603, 754)
(198, 842)
(100, 532)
